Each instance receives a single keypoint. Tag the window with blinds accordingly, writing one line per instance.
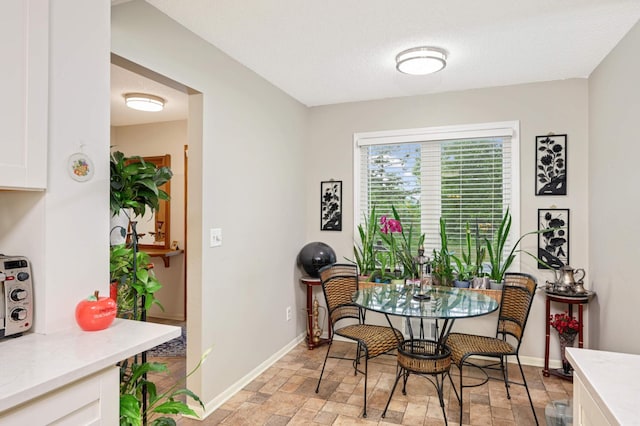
(465, 174)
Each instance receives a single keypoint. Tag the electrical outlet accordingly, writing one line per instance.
(288, 313)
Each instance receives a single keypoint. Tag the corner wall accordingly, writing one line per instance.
(614, 197)
(252, 162)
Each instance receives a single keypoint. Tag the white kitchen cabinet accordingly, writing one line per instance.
(93, 400)
(68, 377)
(606, 386)
(24, 41)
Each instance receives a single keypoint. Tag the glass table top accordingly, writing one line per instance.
(443, 303)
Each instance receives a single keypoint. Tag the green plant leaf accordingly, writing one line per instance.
(130, 410)
(174, 407)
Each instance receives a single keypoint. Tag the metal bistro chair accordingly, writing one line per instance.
(517, 297)
(339, 282)
(425, 358)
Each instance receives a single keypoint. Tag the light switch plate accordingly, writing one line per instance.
(215, 237)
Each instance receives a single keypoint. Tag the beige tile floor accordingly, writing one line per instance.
(285, 395)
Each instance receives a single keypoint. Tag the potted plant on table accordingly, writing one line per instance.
(401, 248)
(442, 269)
(498, 263)
(364, 253)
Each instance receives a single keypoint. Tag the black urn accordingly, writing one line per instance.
(314, 256)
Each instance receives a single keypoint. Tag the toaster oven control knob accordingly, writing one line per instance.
(18, 294)
(18, 314)
(22, 276)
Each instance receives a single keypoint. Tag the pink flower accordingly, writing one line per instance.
(390, 225)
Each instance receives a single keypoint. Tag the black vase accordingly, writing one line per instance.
(314, 256)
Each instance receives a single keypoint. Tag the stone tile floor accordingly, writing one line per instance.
(285, 395)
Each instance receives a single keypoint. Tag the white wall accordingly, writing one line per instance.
(156, 139)
(252, 164)
(614, 199)
(64, 230)
(559, 107)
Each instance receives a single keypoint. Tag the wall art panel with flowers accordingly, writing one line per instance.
(553, 245)
(551, 165)
(331, 205)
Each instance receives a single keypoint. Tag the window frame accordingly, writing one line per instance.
(442, 133)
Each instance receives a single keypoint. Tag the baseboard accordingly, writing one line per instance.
(214, 404)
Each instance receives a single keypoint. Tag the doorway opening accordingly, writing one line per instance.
(164, 134)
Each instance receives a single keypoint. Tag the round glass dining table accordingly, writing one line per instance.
(439, 303)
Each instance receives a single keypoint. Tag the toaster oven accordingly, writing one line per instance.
(16, 295)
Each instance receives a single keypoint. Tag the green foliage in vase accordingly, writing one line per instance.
(401, 246)
(135, 184)
(498, 263)
(466, 267)
(364, 254)
(441, 262)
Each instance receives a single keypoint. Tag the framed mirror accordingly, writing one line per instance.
(154, 228)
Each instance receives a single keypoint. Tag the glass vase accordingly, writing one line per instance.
(566, 339)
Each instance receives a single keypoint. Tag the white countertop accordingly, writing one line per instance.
(613, 379)
(34, 364)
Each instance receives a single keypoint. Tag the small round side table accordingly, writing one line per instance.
(310, 282)
(570, 300)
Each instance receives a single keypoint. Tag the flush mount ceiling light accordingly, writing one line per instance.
(421, 60)
(144, 102)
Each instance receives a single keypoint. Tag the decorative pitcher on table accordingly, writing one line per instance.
(566, 279)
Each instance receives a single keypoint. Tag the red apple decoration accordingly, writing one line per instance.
(96, 313)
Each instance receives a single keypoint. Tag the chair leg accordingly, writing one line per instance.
(524, 381)
(356, 361)
(461, 364)
(323, 365)
(366, 376)
(505, 375)
(404, 382)
(440, 389)
(458, 397)
(400, 373)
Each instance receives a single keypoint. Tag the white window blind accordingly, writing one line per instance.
(461, 173)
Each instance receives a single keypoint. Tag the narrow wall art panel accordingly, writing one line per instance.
(551, 165)
(553, 245)
(331, 205)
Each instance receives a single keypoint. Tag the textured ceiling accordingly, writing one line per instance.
(333, 51)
